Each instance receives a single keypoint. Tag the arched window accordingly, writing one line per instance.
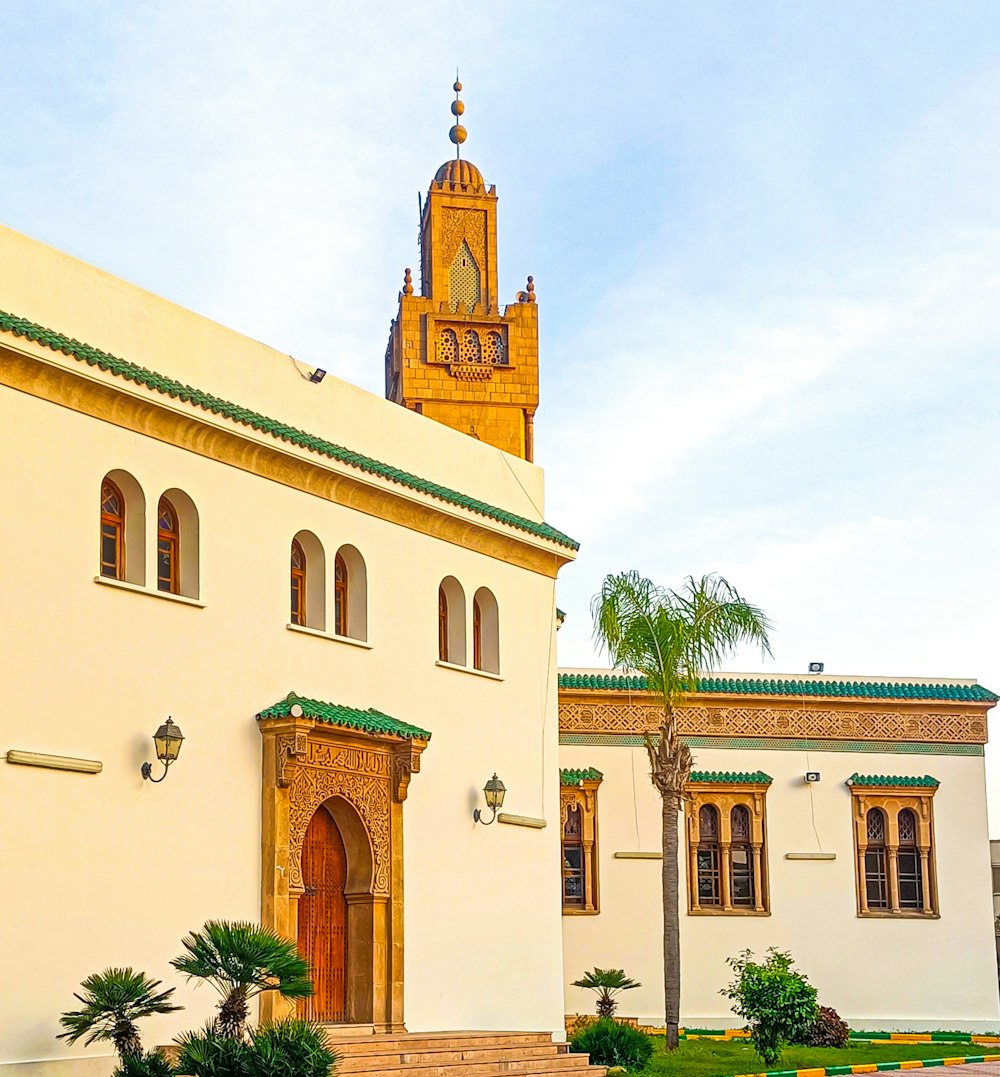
(123, 529)
(298, 583)
(339, 596)
(572, 850)
(451, 622)
(911, 883)
(167, 548)
(485, 631)
(350, 594)
(112, 531)
(741, 859)
(709, 876)
(876, 875)
(578, 811)
(464, 279)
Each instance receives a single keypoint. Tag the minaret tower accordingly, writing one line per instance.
(454, 355)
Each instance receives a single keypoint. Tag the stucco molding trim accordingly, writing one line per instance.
(54, 762)
(521, 820)
(779, 744)
(226, 442)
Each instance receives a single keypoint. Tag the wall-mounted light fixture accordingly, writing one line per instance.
(494, 791)
(168, 739)
(317, 376)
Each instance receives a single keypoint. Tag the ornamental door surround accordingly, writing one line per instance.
(362, 780)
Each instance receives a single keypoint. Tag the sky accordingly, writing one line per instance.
(765, 240)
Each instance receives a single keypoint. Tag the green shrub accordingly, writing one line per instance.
(607, 983)
(777, 1002)
(828, 1030)
(610, 1043)
(154, 1064)
(283, 1049)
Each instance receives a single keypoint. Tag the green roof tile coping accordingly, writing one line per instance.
(925, 781)
(122, 368)
(577, 776)
(731, 777)
(784, 686)
(369, 721)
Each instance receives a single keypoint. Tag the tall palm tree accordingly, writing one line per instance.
(673, 637)
(113, 1001)
(241, 960)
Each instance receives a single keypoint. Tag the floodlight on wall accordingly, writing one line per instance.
(317, 376)
(168, 739)
(815, 667)
(494, 791)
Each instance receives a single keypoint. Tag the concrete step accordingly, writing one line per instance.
(402, 1055)
(422, 1066)
(413, 1042)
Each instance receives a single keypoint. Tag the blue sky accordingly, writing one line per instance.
(766, 241)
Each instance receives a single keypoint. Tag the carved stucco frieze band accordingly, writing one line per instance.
(468, 225)
(880, 722)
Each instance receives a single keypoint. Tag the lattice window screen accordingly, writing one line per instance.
(466, 286)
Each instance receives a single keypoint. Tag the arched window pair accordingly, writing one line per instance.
(894, 873)
(712, 864)
(451, 627)
(122, 553)
(308, 588)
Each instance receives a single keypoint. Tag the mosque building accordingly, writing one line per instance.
(338, 614)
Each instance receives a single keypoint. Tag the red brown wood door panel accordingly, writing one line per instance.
(323, 918)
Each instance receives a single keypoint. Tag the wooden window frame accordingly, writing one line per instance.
(477, 635)
(892, 800)
(443, 626)
(724, 796)
(298, 575)
(582, 796)
(171, 541)
(341, 584)
(117, 522)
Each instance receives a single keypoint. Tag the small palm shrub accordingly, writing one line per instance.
(113, 1001)
(241, 960)
(777, 1002)
(828, 1030)
(610, 1043)
(607, 983)
(154, 1064)
(289, 1048)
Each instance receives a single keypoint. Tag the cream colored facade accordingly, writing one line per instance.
(888, 972)
(104, 868)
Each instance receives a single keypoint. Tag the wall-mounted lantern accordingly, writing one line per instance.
(494, 791)
(168, 739)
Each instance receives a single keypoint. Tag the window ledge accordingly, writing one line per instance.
(901, 915)
(728, 912)
(581, 912)
(307, 631)
(469, 669)
(124, 585)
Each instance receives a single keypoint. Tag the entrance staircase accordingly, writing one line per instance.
(455, 1054)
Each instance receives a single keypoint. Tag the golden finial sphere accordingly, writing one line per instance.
(457, 108)
(458, 134)
(458, 86)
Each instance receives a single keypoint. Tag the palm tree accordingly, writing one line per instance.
(673, 637)
(113, 1001)
(607, 983)
(241, 960)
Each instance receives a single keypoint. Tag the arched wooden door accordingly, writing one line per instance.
(323, 919)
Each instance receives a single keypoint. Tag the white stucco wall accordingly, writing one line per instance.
(109, 870)
(877, 973)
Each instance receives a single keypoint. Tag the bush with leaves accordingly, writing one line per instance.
(828, 1030)
(607, 983)
(113, 1001)
(154, 1064)
(241, 960)
(281, 1049)
(777, 1002)
(610, 1043)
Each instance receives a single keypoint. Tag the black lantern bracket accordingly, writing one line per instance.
(168, 740)
(494, 791)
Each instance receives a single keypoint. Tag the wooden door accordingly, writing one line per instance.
(323, 919)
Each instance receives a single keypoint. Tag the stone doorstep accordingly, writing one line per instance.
(412, 1042)
(351, 1062)
(422, 1066)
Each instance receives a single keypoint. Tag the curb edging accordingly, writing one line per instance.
(876, 1067)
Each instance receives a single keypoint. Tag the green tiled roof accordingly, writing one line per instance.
(21, 327)
(731, 777)
(892, 779)
(579, 776)
(369, 721)
(784, 686)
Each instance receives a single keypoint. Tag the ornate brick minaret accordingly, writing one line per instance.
(453, 354)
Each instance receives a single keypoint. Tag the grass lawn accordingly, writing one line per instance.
(716, 1058)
